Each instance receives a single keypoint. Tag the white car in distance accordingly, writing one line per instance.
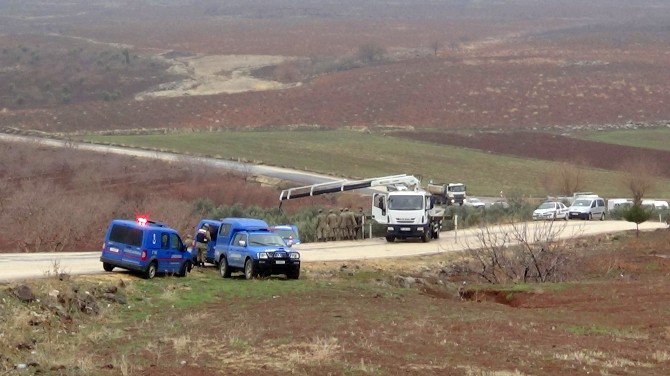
(551, 210)
(475, 203)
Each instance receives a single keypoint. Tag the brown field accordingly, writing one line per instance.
(551, 147)
(609, 317)
(507, 65)
(62, 199)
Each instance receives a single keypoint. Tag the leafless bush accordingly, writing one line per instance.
(519, 252)
(640, 177)
(567, 179)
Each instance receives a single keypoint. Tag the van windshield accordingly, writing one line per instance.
(266, 239)
(126, 235)
(405, 202)
(582, 203)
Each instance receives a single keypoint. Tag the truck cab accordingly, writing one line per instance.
(407, 214)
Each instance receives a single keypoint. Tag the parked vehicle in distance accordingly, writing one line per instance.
(551, 210)
(500, 203)
(144, 246)
(587, 207)
(618, 203)
(287, 232)
(656, 204)
(475, 203)
(225, 228)
(449, 194)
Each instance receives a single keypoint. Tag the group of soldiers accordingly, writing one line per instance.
(345, 225)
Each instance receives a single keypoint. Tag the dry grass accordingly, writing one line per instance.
(601, 359)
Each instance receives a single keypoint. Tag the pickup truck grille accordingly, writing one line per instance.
(279, 255)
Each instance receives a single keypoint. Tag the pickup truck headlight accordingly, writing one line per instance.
(262, 255)
(294, 255)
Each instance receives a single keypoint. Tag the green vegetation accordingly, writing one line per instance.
(360, 155)
(657, 138)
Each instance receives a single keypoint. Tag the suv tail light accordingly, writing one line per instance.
(143, 256)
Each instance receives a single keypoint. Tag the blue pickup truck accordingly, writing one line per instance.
(248, 245)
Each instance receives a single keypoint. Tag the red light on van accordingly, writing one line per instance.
(142, 220)
(143, 256)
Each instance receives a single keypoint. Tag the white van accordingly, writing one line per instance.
(587, 207)
(618, 203)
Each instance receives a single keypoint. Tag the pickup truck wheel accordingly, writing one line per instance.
(185, 269)
(249, 272)
(107, 267)
(293, 274)
(224, 269)
(151, 271)
(390, 238)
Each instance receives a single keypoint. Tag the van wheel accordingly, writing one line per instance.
(602, 217)
(590, 216)
(293, 274)
(151, 271)
(390, 238)
(185, 269)
(107, 267)
(249, 272)
(224, 269)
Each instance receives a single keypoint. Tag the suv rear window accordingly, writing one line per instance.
(126, 235)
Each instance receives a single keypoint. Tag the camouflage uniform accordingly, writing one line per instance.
(321, 227)
(333, 222)
(358, 217)
(343, 225)
(201, 240)
(350, 223)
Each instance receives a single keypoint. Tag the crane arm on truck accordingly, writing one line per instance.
(391, 182)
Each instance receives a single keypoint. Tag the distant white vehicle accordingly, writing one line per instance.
(618, 203)
(551, 210)
(656, 204)
(475, 203)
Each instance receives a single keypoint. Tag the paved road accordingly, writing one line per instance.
(34, 265)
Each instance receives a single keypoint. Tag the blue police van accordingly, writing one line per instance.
(249, 245)
(146, 247)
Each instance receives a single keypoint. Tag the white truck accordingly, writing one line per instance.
(449, 194)
(397, 201)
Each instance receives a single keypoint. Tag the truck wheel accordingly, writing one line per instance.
(107, 267)
(224, 269)
(151, 271)
(426, 236)
(390, 238)
(249, 272)
(293, 274)
(185, 269)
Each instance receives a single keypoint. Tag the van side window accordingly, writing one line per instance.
(175, 242)
(601, 203)
(593, 204)
(165, 241)
(224, 230)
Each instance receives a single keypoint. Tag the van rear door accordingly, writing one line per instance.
(125, 243)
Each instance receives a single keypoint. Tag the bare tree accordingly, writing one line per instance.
(435, 46)
(567, 179)
(520, 252)
(640, 177)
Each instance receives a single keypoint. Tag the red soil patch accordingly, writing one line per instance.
(550, 147)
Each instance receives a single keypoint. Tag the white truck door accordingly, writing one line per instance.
(379, 207)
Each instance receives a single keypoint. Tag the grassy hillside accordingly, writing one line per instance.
(355, 154)
(658, 138)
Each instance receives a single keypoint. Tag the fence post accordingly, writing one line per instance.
(456, 227)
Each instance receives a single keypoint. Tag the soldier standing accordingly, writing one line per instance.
(321, 227)
(333, 221)
(358, 216)
(202, 238)
(343, 225)
(351, 224)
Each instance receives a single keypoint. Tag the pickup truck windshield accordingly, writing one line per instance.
(266, 239)
(405, 202)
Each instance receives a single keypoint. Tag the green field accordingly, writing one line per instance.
(658, 138)
(359, 155)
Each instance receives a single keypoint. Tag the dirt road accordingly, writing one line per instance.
(16, 266)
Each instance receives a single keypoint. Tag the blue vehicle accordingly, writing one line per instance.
(146, 247)
(287, 232)
(248, 245)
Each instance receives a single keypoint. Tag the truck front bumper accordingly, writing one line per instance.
(406, 231)
(276, 266)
